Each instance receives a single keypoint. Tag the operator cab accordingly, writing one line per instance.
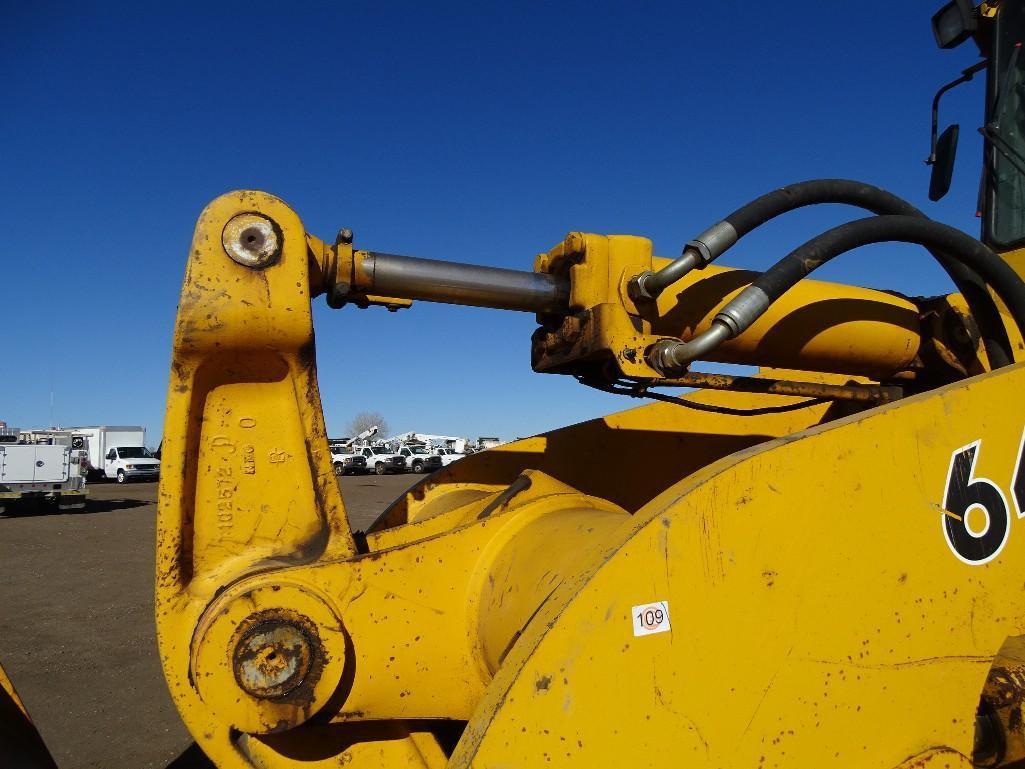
(999, 31)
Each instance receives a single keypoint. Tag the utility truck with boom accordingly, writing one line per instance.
(345, 455)
(382, 458)
(453, 442)
(418, 457)
(447, 448)
(40, 467)
(817, 565)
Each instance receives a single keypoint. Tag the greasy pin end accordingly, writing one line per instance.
(252, 240)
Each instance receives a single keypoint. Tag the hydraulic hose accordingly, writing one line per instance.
(744, 309)
(716, 240)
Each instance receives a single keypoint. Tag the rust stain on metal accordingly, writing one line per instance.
(849, 392)
(278, 656)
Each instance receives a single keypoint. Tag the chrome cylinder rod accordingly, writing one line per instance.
(408, 277)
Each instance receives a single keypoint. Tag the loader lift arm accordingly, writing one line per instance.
(278, 631)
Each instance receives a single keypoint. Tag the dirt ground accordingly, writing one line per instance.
(76, 625)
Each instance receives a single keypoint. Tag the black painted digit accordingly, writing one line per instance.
(1018, 480)
(964, 494)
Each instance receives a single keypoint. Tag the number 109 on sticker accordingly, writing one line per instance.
(651, 618)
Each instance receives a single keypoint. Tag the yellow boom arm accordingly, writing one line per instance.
(747, 579)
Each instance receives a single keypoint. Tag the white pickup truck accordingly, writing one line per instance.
(448, 456)
(346, 460)
(381, 459)
(419, 459)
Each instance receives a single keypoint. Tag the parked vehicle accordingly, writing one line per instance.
(346, 460)
(118, 452)
(447, 441)
(381, 459)
(346, 455)
(448, 456)
(50, 471)
(418, 458)
(130, 463)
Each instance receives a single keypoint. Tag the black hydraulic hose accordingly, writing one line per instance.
(814, 192)
(744, 309)
(720, 237)
(879, 201)
(951, 242)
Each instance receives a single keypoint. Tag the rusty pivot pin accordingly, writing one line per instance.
(263, 667)
(273, 658)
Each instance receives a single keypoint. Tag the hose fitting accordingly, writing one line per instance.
(743, 310)
(706, 247)
(671, 357)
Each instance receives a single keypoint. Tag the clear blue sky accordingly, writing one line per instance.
(477, 132)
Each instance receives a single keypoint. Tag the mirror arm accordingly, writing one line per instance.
(966, 75)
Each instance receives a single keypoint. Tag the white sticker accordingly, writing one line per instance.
(651, 618)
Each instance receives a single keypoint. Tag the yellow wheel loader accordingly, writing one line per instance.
(819, 565)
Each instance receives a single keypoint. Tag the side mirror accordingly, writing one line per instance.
(943, 163)
(954, 23)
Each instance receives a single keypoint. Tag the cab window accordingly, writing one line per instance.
(1005, 130)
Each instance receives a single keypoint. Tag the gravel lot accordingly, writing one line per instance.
(76, 625)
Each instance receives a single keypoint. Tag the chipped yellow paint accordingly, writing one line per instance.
(818, 616)
(246, 477)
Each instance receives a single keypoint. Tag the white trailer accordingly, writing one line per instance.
(105, 459)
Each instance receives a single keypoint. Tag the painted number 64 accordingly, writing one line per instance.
(976, 518)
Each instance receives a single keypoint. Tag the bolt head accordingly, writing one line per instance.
(252, 240)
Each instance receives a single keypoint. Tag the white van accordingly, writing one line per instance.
(130, 463)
